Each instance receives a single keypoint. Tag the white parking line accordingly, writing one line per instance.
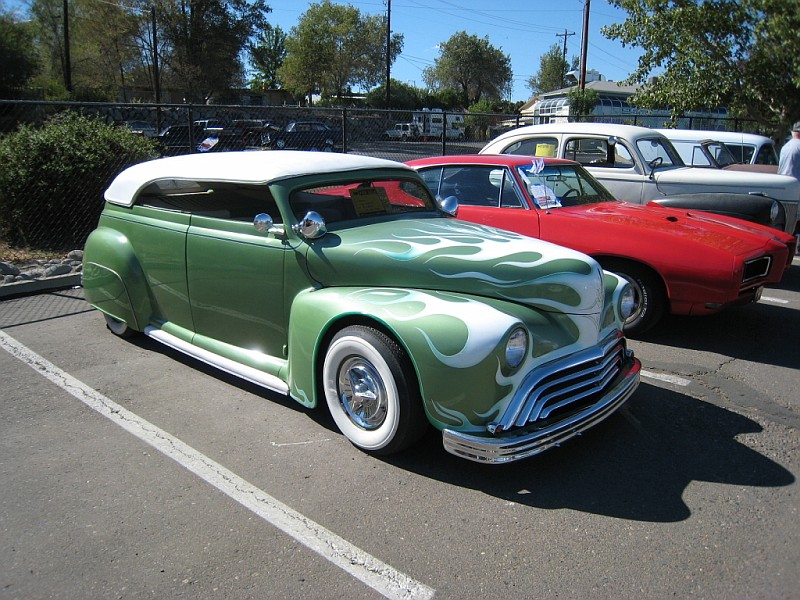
(384, 579)
(674, 379)
(775, 300)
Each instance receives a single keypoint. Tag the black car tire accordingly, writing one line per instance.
(371, 391)
(651, 298)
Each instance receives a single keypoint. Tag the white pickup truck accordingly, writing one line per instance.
(640, 165)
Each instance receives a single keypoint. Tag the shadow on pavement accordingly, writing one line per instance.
(634, 466)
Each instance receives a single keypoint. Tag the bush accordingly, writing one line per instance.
(52, 178)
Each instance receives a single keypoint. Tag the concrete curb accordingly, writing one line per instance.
(38, 286)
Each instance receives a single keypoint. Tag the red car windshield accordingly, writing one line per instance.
(554, 186)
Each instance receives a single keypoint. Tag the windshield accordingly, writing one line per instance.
(554, 186)
(362, 199)
(658, 152)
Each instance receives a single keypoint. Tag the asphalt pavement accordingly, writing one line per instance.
(130, 471)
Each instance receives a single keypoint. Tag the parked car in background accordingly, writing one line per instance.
(640, 165)
(746, 148)
(243, 134)
(677, 262)
(142, 128)
(181, 139)
(336, 279)
(403, 132)
(305, 135)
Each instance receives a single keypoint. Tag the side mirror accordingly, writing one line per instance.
(448, 205)
(311, 226)
(263, 224)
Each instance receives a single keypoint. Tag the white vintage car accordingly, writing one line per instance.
(640, 165)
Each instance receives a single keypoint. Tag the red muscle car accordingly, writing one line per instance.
(678, 261)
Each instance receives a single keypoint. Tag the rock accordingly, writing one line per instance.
(57, 269)
(8, 269)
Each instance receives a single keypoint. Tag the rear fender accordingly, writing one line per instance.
(113, 279)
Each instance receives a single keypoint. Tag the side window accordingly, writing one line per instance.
(541, 146)
(480, 186)
(767, 155)
(594, 152)
(210, 199)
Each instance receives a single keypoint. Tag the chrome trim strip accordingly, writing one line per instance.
(220, 362)
(518, 444)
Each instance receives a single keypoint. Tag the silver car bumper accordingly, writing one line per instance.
(521, 443)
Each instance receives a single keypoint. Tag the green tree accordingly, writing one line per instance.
(204, 41)
(17, 54)
(335, 48)
(403, 96)
(582, 102)
(552, 70)
(267, 53)
(473, 67)
(739, 54)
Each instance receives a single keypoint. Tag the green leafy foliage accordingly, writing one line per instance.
(17, 54)
(739, 54)
(471, 66)
(335, 48)
(582, 102)
(52, 178)
(552, 71)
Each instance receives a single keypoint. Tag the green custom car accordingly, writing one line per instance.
(337, 280)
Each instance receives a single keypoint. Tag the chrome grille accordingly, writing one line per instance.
(756, 268)
(560, 388)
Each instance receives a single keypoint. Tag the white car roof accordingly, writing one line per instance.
(698, 135)
(249, 167)
(630, 132)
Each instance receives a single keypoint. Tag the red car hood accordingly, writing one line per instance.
(733, 235)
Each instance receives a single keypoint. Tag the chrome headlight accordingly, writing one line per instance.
(516, 347)
(775, 212)
(627, 302)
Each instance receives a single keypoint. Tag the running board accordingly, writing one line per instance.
(215, 360)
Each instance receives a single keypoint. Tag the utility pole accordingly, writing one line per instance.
(565, 35)
(584, 44)
(67, 60)
(388, 51)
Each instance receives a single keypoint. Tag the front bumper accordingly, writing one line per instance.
(527, 441)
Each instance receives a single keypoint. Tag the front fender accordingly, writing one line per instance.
(113, 280)
(455, 342)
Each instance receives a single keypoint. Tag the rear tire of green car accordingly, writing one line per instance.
(119, 328)
(371, 391)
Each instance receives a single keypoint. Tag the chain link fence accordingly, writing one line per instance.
(184, 128)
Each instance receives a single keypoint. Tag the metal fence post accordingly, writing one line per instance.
(344, 130)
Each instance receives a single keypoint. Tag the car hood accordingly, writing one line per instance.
(695, 179)
(634, 220)
(445, 254)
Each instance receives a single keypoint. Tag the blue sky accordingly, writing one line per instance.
(522, 29)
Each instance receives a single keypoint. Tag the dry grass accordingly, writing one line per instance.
(25, 255)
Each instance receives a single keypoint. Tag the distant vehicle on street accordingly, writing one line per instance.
(305, 135)
(142, 128)
(403, 132)
(432, 122)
